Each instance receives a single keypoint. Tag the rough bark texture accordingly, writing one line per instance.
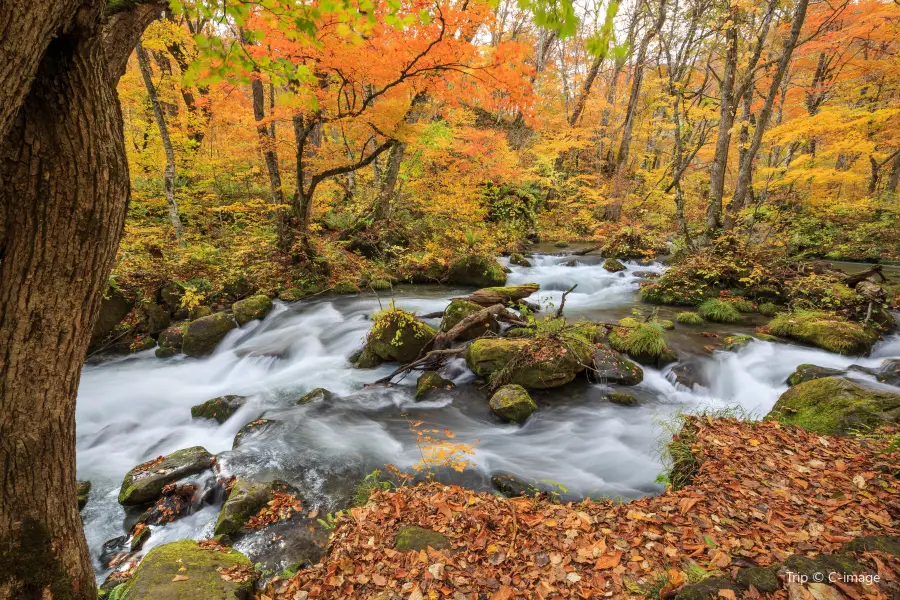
(270, 155)
(169, 175)
(63, 194)
(723, 139)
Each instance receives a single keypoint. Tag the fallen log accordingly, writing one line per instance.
(584, 251)
(498, 311)
(502, 295)
(430, 362)
(851, 281)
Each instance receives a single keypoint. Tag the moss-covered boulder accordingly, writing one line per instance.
(519, 260)
(538, 363)
(458, 310)
(733, 343)
(689, 318)
(418, 538)
(204, 334)
(512, 402)
(561, 244)
(613, 265)
(184, 570)
(644, 342)
(172, 337)
(142, 343)
(825, 330)
(809, 372)
(513, 487)
(345, 287)
(254, 428)
(835, 406)
(476, 271)
(244, 501)
(251, 309)
(431, 380)
(144, 483)
(485, 356)
(83, 490)
(399, 335)
(366, 359)
(622, 399)
(113, 309)
(612, 367)
(218, 409)
(315, 395)
(152, 318)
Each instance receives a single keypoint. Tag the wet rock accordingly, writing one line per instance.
(647, 275)
(613, 265)
(622, 399)
(218, 409)
(809, 372)
(204, 334)
(176, 501)
(733, 343)
(244, 501)
(315, 395)
(113, 309)
(418, 538)
(291, 294)
(519, 260)
(152, 318)
(139, 537)
(112, 549)
(763, 579)
(476, 271)
(398, 335)
(570, 263)
(172, 337)
(512, 402)
(513, 487)
(835, 406)
(164, 352)
(561, 244)
(889, 372)
(688, 374)
(144, 483)
(826, 331)
(431, 380)
(367, 359)
(143, 343)
(157, 577)
(507, 294)
(708, 589)
(254, 428)
(83, 490)
(345, 287)
(458, 310)
(251, 309)
(531, 363)
(288, 545)
(612, 367)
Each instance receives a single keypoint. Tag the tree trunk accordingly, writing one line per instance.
(723, 139)
(270, 155)
(63, 194)
(169, 176)
(385, 197)
(894, 181)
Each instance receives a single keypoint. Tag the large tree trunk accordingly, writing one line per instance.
(270, 155)
(169, 176)
(723, 139)
(63, 193)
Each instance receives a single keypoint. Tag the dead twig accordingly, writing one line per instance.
(562, 304)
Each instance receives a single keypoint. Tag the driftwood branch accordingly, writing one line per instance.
(502, 295)
(562, 304)
(584, 251)
(433, 315)
(497, 311)
(851, 281)
(432, 359)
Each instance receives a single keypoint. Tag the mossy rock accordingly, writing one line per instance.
(291, 294)
(825, 330)
(719, 311)
(380, 284)
(204, 334)
(418, 539)
(431, 380)
(144, 483)
(315, 395)
(154, 578)
(199, 312)
(512, 403)
(612, 367)
(665, 324)
(477, 271)
(513, 487)
(689, 318)
(251, 309)
(520, 332)
(165, 352)
(531, 363)
(254, 428)
(561, 244)
(218, 409)
(244, 501)
(768, 309)
(144, 343)
(708, 589)
(733, 343)
(809, 372)
(622, 399)
(172, 337)
(613, 265)
(345, 287)
(644, 342)
(152, 317)
(519, 260)
(83, 490)
(889, 544)
(398, 335)
(366, 359)
(485, 356)
(763, 579)
(835, 406)
(458, 310)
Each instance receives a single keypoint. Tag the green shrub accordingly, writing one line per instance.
(742, 305)
(768, 309)
(689, 318)
(719, 311)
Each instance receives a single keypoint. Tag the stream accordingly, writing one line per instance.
(132, 409)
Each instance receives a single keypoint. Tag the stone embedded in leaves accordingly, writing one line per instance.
(144, 483)
(418, 538)
(512, 402)
(218, 409)
(204, 334)
(251, 309)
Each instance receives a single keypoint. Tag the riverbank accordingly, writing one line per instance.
(764, 493)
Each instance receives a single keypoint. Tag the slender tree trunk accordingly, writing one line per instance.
(63, 194)
(169, 176)
(388, 189)
(270, 155)
(723, 139)
(894, 180)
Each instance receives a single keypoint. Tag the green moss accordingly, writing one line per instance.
(512, 402)
(428, 381)
(835, 406)
(537, 363)
(398, 335)
(644, 342)
(244, 501)
(315, 395)
(144, 483)
(665, 323)
(458, 310)
(744, 306)
(733, 343)
(367, 359)
(719, 311)
(809, 372)
(83, 490)
(622, 399)
(345, 287)
(380, 284)
(561, 244)
(204, 334)
(477, 271)
(519, 260)
(763, 579)
(613, 265)
(768, 309)
(689, 318)
(825, 330)
(418, 538)
(251, 309)
(487, 355)
(218, 409)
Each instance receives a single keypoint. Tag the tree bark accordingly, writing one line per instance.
(169, 175)
(894, 180)
(270, 155)
(723, 139)
(63, 193)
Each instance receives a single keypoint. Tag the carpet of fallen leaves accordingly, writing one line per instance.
(281, 506)
(763, 492)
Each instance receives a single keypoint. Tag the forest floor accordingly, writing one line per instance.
(763, 492)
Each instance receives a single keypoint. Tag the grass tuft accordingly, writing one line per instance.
(689, 318)
(719, 311)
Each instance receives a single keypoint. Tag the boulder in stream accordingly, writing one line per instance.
(825, 330)
(244, 501)
(218, 409)
(537, 363)
(889, 372)
(186, 569)
(172, 337)
(254, 428)
(399, 335)
(251, 309)
(204, 334)
(512, 402)
(519, 260)
(429, 381)
(809, 372)
(477, 271)
(144, 483)
(612, 367)
(83, 490)
(613, 265)
(835, 406)
(461, 308)
(622, 399)
(315, 395)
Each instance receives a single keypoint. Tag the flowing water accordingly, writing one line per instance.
(136, 408)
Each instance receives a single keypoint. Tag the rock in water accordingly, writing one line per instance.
(512, 402)
(428, 381)
(458, 310)
(218, 409)
(534, 364)
(477, 271)
(417, 538)
(519, 260)
(144, 483)
(398, 335)
(613, 265)
(612, 367)
(184, 570)
(825, 330)
(253, 428)
(83, 490)
(809, 372)
(252, 308)
(623, 399)
(315, 395)
(244, 501)
(889, 372)
(513, 487)
(204, 334)
(835, 406)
